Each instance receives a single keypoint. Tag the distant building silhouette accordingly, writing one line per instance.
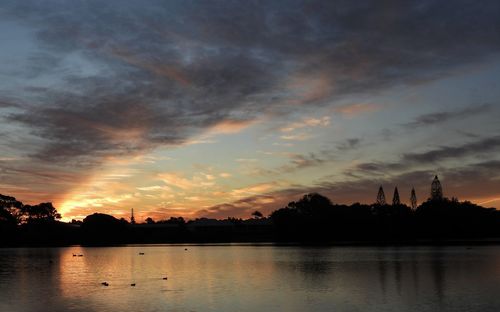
(132, 219)
(381, 196)
(436, 189)
(413, 199)
(395, 199)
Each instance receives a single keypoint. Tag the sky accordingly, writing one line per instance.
(220, 108)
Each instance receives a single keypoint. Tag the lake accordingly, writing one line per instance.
(250, 278)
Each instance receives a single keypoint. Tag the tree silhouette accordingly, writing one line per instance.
(173, 220)
(10, 209)
(436, 189)
(413, 199)
(257, 214)
(101, 228)
(40, 212)
(381, 197)
(395, 199)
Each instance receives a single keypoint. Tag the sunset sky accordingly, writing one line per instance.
(219, 108)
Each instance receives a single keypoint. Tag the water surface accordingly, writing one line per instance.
(250, 278)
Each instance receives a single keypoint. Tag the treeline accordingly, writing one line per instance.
(22, 224)
(316, 218)
(312, 219)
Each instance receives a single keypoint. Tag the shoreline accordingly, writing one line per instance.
(405, 243)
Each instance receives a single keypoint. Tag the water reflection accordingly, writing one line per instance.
(249, 278)
(396, 261)
(414, 270)
(382, 272)
(405, 269)
(438, 272)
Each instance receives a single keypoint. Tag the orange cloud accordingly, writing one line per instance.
(296, 137)
(154, 188)
(306, 122)
(231, 126)
(177, 180)
(253, 190)
(309, 88)
(354, 110)
(488, 201)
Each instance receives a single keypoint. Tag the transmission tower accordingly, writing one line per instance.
(381, 197)
(413, 199)
(436, 190)
(395, 198)
(132, 219)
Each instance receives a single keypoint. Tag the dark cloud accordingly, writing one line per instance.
(379, 167)
(265, 203)
(313, 159)
(170, 70)
(476, 148)
(8, 103)
(30, 181)
(240, 208)
(441, 117)
(349, 144)
(304, 161)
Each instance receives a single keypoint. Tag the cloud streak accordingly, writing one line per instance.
(487, 145)
(441, 117)
(478, 149)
